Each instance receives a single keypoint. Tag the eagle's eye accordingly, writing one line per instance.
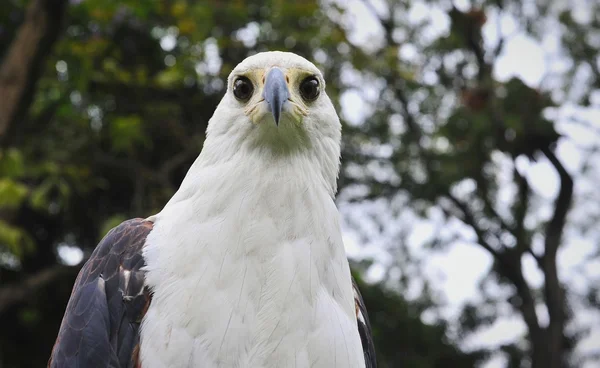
(309, 88)
(242, 88)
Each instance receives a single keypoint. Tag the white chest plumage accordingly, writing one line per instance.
(248, 269)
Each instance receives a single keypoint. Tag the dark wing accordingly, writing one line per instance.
(364, 328)
(101, 322)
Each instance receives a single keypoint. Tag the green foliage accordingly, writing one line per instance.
(11, 193)
(126, 132)
(11, 163)
(15, 240)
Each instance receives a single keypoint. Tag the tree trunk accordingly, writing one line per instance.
(25, 57)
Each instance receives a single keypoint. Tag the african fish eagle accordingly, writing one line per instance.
(245, 265)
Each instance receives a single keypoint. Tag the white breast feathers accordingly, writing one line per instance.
(248, 269)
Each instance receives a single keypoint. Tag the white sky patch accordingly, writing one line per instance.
(70, 255)
(365, 28)
(351, 243)
(582, 125)
(8, 260)
(458, 270)
(249, 34)
(418, 12)
(354, 107)
(575, 252)
(422, 232)
(169, 40)
(507, 191)
(533, 275)
(498, 26)
(571, 155)
(212, 60)
(589, 343)
(543, 179)
(497, 361)
(408, 53)
(462, 5)
(521, 57)
(355, 245)
(437, 20)
(502, 331)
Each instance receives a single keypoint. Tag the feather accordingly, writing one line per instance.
(364, 328)
(109, 299)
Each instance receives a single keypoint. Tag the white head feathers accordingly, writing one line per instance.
(243, 127)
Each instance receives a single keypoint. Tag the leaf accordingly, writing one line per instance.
(12, 193)
(179, 8)
(16, 240)
(39, 196)
(126, 132)
(12, 163)
(169, 78)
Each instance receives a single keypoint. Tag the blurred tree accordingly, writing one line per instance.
(21, 65)
(103, 124)
(449, 127)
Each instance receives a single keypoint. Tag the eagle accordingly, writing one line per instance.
(245, 265)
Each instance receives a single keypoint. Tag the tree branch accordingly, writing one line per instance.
(18, 292)
(553, 290)
(510, 262)
(175, 161)
(134, 168)
(489, 208)
(146, 92)
(23, 61)
(555, 227)
(469, 219)
(520, 211)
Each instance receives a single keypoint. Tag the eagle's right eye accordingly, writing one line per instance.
(242, 89)
(309, 88)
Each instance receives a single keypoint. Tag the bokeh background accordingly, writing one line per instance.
(471, 165)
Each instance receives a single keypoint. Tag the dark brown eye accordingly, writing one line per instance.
(309, 88)
(242, 88)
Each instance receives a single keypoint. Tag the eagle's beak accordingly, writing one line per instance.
(276, 92)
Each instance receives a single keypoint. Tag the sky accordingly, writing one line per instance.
(535, 62)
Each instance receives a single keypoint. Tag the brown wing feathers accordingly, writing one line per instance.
(108, 302)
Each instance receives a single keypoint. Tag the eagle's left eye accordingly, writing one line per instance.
(309, 88)
(242, 88)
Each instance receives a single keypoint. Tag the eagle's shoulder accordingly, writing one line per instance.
(364, 328)
(108, 301)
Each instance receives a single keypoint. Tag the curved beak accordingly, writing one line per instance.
(276, 92)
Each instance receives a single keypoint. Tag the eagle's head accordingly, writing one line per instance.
(276, 113)
(276, 101)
